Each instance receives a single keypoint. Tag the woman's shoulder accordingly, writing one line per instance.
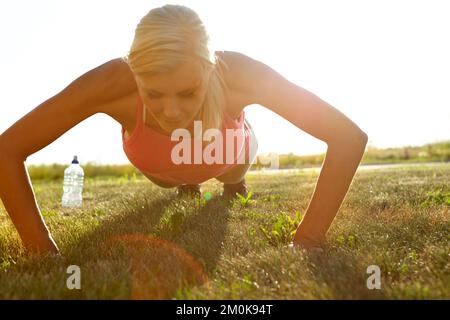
(115, 80)
(238, 82)
(242, 74)
(120, 85)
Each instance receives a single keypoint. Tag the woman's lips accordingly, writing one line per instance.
(172, 122)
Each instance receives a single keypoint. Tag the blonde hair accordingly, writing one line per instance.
(164, 38)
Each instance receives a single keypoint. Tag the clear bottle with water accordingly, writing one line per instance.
(73, 185)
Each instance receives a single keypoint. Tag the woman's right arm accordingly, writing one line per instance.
(91, 93)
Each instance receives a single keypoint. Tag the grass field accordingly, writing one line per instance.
(134, 240)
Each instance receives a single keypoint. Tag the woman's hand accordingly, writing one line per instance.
(305, 242)
(45, 245)
(50, 247)
(309, 246)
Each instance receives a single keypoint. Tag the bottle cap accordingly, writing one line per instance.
(75, 159)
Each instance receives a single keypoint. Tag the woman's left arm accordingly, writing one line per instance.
(339, 167)
(345, 141)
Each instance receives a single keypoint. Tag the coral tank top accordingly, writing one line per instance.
(151, 152)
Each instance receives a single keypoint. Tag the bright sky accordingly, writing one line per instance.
(385, 64)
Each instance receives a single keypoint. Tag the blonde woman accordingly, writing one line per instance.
(169, 81)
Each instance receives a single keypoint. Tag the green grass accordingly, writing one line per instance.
(135, 240)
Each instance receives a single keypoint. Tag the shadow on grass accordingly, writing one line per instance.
(199, 230)
(136, 253)
(157, 246)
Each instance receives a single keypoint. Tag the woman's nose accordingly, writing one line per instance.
(172, 113)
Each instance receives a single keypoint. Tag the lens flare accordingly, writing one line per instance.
(158, 268)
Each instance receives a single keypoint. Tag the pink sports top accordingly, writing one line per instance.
(150, 151)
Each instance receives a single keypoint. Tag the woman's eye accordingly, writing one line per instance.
(152, 96)
(188, 95)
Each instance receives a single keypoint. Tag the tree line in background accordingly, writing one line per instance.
(433, 152)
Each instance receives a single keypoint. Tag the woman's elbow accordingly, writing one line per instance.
(364, 138)
(359, 140)
(352, 138)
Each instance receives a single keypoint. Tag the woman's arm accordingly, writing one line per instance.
(87, 95)
(345, 140)
(339, 167)
(20, 203)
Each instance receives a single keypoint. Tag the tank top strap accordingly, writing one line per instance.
(140, 113)
(241, 117)
(239, 121)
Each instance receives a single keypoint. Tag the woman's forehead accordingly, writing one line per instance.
(181, 78)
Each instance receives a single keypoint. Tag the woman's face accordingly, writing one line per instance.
(174, 98)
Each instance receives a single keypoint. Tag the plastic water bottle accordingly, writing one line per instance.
(73, 185)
